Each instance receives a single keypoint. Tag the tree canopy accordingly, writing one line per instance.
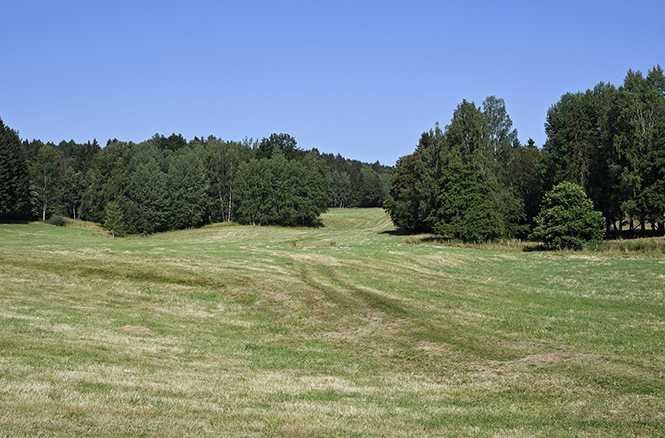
(455, 183)
(14, 177)
(167, 183)
(470, 180)
(610, 141)
(567, 218)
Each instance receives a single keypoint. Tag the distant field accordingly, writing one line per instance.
(344, 330)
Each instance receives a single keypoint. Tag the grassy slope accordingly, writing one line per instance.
(338, 331)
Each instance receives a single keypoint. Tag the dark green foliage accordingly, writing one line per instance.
(414, 184)
(339, 186)
(149, 192)
(406, 206)
(73, 190)
(355, 184)
(567, 218)
(57, 220)
(277, 191)
(581, 130)
(468, 132)
(188, 186)
(522, 177)
(221, 160)
(278, 142)
(168, 183)
(610, 141)
(14, 177)
(171, 144)
(455, 183)
(465, 206)
(640, 145)
(372, 193)
(114, 219)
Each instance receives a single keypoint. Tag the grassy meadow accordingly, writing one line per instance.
(348, 330)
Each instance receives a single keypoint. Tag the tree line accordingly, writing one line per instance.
(168, 183)
(474, 180)
(471, 180)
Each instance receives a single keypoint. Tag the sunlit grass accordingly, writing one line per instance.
(344, 330)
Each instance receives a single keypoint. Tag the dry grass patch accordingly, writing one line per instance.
(552, 358)
(137, 330)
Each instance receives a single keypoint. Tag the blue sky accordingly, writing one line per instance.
(359, 78)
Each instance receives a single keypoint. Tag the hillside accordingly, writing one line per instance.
(343, 330)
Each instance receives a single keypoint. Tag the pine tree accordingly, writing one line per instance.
(188, 184)
(465, 206)
(149, 192)
(113, 219)
(14, 177)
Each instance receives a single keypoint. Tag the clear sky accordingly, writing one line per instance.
(359, 78)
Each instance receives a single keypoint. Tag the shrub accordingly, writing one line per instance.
(58, 221)
(567, 218)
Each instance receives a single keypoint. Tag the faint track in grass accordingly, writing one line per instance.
(325, 277)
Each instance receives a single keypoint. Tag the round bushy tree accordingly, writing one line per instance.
(567, 218)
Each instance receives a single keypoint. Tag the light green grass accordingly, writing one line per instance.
(343, 330)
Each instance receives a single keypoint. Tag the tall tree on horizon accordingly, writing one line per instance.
(639, 144)
(14, 176)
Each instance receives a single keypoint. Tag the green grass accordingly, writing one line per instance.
(346, 330)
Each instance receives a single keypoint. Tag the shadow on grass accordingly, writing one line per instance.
(395, 232)
(537, 247)
(17, 221)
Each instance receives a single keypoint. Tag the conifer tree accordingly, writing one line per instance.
(465, 206)
(14, 177)
(188, 184)
(567, 218)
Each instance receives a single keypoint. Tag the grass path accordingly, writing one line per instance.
(343, 330)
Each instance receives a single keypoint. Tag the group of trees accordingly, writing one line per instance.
(475, 181)
(458, 181)
(355, 184)
(472, 180)
(14, 177)
(168, 183)
(611, 141)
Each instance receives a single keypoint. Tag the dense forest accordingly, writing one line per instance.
(473, 180)
(168, 183)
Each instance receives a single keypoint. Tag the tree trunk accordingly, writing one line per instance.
(221, 205)
(228, 218)
(44, 211)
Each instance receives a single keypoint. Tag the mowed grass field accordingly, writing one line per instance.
(343, 330)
